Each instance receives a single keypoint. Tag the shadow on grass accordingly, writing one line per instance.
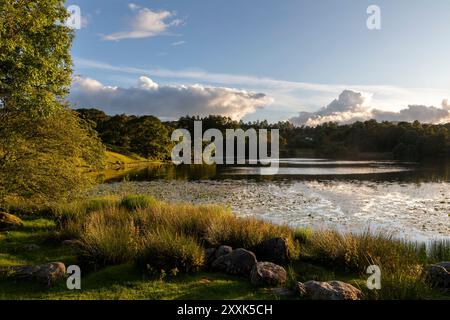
(125, 282)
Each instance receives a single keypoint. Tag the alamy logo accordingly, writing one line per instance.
(374, 20)
(241, 147)
(374, 281)
(74, 280)
(74, 20)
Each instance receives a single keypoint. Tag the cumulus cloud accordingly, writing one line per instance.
(353, 106)
(146, 23)
(445, 105)
(166, 101)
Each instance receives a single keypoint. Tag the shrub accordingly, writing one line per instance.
(164, 250)
(135, 202)
(108, 238)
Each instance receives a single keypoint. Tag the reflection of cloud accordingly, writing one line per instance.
(350, 107)
(170, 102)
(146, 23)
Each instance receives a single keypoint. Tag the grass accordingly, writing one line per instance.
(110, 283)
(165, 251)
(134, 202)
(117, 159)
(122, 239)
(138, 228)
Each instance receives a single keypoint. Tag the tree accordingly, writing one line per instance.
(45, 149)
(50, 158)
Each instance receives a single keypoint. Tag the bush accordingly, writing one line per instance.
(164, 250)
(135, 202)
(108, 238)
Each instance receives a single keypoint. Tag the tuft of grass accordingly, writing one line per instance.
(302, 235)
(355, 252)
(70, 217)
(108, 238)
(135, 202)
(164, 251)
(407, 283)
(439, 250)
(248, 233)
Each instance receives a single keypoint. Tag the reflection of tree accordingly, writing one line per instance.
(164, 171)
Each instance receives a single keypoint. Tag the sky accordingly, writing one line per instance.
(307, 61)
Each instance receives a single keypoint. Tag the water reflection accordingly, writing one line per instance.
(292, 169)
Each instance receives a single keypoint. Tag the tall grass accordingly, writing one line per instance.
(136, 228)
(401, 262)
(355, 252)
(164, 250)
(160, 236)
(439, 250)
(135, 202)
(108, 238)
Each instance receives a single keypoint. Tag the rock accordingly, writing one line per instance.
(273, 250)
(238, 262)
(31, 247)
(332, 290)
(210, 255)
(46, 274)
(223, 250)
(9, 222)
(72, 243)
(439, 275)
(267, 274)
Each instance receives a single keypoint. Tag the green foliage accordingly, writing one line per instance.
(45, 149)
(145, 135)
(414, 141)
(36, 65)
(47, 159)
(135, 202)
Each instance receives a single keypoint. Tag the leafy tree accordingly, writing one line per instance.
(45, 149)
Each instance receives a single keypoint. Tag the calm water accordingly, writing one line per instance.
(405, 199)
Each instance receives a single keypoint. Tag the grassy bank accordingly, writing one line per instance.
(139, 248)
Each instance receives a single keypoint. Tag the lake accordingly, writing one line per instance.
(407, 200)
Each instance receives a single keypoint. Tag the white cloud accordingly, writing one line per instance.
(146, 23)
(445, 105)
(290, 96)
(353, 106)
(166, 101)
(178, 43)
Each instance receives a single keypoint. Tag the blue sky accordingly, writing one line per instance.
(300, 54)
